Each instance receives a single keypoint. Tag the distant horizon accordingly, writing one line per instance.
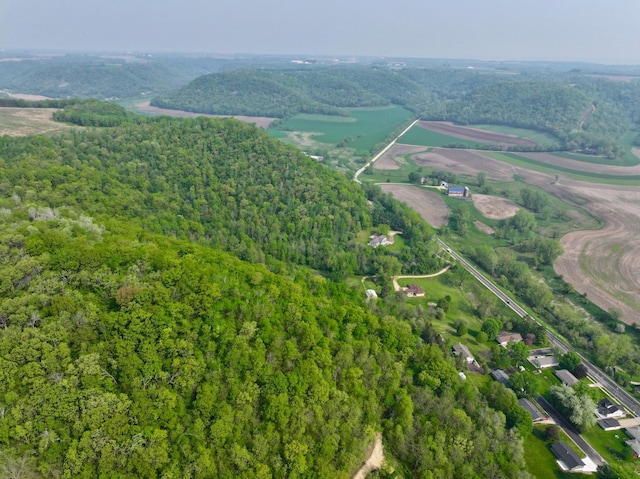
(302, 56)
(584, 31)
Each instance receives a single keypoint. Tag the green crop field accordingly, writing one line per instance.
(423, 137)
(362, 130)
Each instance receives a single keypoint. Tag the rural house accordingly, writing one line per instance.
(461, 350)
(609, 424)
(506, 338)
(531, 408)
(544, 362)
(379, 240)
(608, 410)
(567, 459)
(413, 291)
(566, 377)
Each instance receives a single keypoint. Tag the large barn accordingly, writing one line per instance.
(459, 192)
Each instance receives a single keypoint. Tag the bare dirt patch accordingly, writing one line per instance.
(494, 207)
(636, 151)
(427, 204)
(464, 162)
(375, 459)
(484, 228)
(475, 134)
(394, 157)
(30, 121)
(259, 121)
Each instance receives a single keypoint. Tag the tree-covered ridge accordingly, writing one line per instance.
(268, 93)
(128, 354)
(579, 119)
(218, 182)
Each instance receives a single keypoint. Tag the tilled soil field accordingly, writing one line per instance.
(474, 134)
(427, 204)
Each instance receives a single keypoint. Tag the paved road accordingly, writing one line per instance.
(619, 394)
(571, 431)
(596, 374)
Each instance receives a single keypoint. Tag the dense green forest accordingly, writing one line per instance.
(132, 346)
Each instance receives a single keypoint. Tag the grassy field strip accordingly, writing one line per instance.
(517, 160)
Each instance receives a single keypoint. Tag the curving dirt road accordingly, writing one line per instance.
(374, 461)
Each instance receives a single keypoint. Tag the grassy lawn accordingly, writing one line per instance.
(610, 444)
(541, 462)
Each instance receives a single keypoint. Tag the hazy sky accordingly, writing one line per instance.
(596, 30)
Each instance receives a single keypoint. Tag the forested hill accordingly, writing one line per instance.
(126, 352)
(269, 93)
(575, 115)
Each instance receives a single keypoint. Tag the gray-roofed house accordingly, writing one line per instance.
(379, 240)
(607, 409)
(531, 408)
(544, 362)
(566, 377)
(609, 424)
(463, 351)
(500, 376)
(567, 459)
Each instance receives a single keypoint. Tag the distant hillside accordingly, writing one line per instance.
(270, 93)
(579, 119)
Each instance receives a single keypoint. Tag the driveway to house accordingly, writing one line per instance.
(397, 287)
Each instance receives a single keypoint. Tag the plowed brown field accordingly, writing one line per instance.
(475, 134)
(494, 207)
(427, 204)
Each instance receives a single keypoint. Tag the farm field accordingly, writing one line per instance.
(361, 131)
(428, 204)
(603, 264)
(537, 137)
(494, 207)
(475, 135)
(30, 121)
(143, 107)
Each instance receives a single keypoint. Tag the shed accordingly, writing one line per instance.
(413, 290)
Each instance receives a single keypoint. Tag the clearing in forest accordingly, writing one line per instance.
(30, 121)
